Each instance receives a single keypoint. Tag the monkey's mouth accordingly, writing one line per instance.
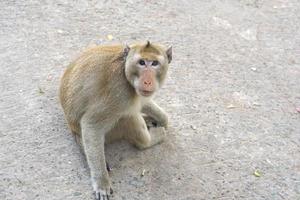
(145, 93)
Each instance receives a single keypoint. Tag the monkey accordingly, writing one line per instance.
(107, 94)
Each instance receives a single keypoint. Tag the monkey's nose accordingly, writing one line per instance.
(147, 83)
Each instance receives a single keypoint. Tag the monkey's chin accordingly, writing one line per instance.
(145, 93)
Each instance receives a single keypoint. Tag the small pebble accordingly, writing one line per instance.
(256, 104)
(143, 172)
(230, 106)
(49, 78)
(110, 37)
(77, 194)
(257, 173)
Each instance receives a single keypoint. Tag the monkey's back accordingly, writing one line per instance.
(91, 77)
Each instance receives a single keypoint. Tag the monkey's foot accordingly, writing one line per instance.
(157, 135)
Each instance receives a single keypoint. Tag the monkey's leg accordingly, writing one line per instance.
(93, 136)
(157, 113)
(138, 134)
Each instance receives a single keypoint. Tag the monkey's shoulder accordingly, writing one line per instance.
(95, 59)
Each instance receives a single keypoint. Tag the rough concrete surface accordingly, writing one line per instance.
(232, 94)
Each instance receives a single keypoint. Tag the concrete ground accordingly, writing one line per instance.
(232, 97)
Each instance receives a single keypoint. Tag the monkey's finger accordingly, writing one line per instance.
(98, 196)
(104, 197)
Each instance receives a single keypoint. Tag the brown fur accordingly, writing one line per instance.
(86, 68)
(100, 98)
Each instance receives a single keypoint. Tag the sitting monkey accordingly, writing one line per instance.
(106, 95)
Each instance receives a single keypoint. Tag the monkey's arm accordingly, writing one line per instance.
(157, 113)
(93, 138)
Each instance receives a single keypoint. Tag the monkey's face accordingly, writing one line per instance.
(146, 68)
(147, 79)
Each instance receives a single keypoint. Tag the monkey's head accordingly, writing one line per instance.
(146, 67)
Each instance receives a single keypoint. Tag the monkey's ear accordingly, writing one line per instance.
(169, 54)
(126, 50)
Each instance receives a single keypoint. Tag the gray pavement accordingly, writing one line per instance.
(232, 94)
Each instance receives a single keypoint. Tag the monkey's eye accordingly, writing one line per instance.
(141, 62)
(155, 63)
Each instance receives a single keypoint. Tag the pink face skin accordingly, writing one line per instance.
(147, 81)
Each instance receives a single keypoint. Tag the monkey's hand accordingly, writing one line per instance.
(164, 121)
(103, 191)
(158, 115)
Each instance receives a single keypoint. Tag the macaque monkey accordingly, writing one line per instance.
(106, 94)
